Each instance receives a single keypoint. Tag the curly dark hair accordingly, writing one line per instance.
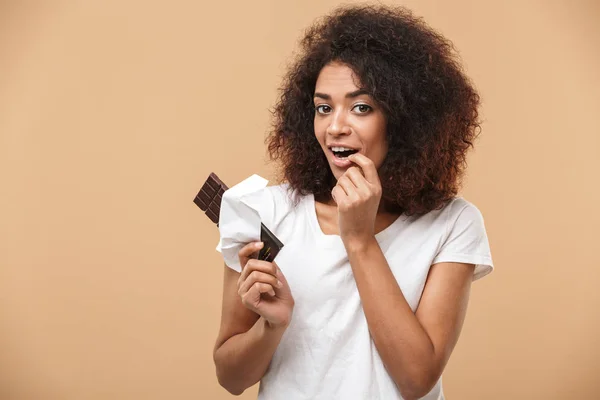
(413, 74)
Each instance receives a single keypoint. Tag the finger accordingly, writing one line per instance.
(338, 194)
(249, 249)
(346, 184)
(262, 277)
(252, 297)
(259, 277)
(357, 168)
(356, 176)
(367, 167)
(256, 265)
(259, 288)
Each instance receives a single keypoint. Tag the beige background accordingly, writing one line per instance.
(112, 114)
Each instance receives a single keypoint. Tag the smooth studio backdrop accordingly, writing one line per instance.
(112, 114)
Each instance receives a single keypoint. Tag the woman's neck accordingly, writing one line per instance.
(331, 203)
(328, 217)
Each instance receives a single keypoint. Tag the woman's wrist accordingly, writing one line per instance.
(355, 246)
(272, 328)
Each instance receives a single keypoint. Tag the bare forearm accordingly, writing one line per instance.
(403, 344)
(244, 358)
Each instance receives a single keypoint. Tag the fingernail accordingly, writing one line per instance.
(259, 245)
(279, 284)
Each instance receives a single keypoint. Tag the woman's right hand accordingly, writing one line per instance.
(263, 288)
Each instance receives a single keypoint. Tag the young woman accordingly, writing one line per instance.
(368, 296)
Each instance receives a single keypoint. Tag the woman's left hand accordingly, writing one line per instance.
(357, 195)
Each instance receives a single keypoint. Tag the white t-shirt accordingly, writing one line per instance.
(327, 352)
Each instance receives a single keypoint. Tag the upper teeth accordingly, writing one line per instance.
(341, 149)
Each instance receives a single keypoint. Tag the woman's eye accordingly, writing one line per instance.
(323, 109)
(362, 108)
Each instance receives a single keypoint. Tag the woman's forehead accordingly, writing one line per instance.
(337, 77)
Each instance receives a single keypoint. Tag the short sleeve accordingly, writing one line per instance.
(466, 239)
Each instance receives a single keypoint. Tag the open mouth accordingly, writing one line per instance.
(342, 152)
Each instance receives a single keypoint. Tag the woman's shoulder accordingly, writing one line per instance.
(461, 209)
(456, 210)
(465, 227)
(465, 239)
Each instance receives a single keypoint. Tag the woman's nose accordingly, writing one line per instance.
(338, 125)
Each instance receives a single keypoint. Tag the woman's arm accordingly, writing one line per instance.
(414, 347)
(245, 344)
(256, 312)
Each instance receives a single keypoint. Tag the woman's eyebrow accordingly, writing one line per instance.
(356, 93)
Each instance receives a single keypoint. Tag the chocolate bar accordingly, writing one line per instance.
(209, 200)
(209, 197)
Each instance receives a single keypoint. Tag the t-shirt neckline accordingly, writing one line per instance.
(314, 221)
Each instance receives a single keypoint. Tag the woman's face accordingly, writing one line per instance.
(347, 120)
